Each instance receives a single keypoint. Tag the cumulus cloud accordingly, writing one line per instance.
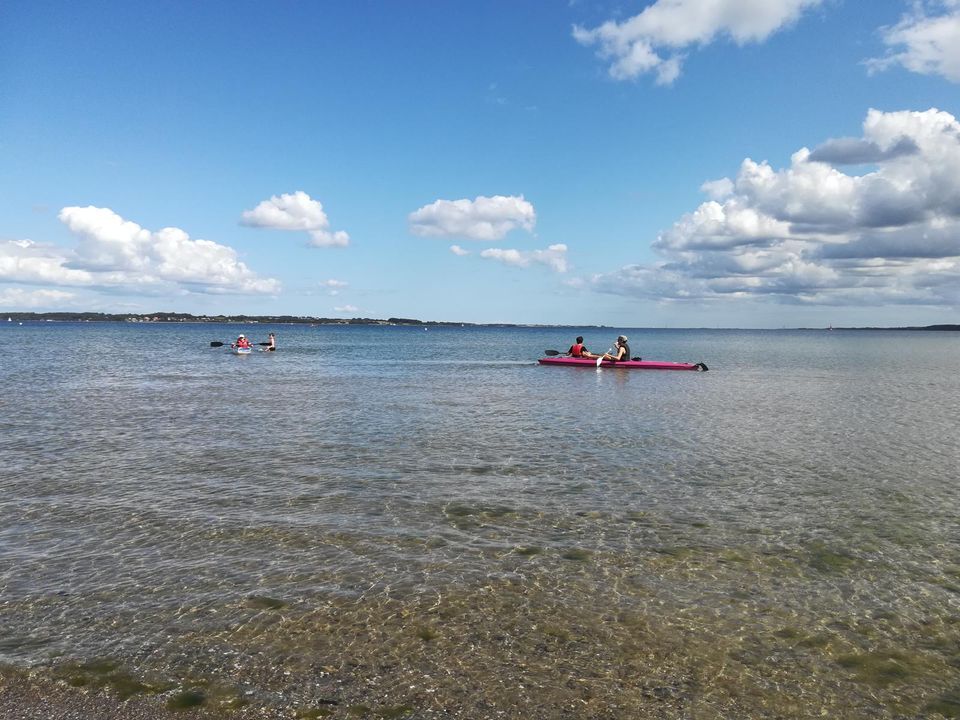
(717, 226)
(925, 43)
(554, 257)
(296, 211)
(857, 151)
(810, 233)
(457, 250)
(921, 240)
(119, 252)
(483, 218)
(114, 253)
(25, 261)
(718, 189)
(346, 309)
(654, 40)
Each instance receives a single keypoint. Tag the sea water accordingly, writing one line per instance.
(402, 521)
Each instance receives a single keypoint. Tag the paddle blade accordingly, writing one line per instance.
(599, 360)
(551, 352)
(216, 344)
(263, 343)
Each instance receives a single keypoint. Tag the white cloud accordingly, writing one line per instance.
(119, 252)
(113, 253)
(925, 44)
(810, 233)
(457, 250)
(19, 298)
(346, 309)
(296, 211)
(333, 286)
(484, 218)
(718, 189)
(107, 241)
(28, 262)
(554, 257)
(653, 41)
(293, 211)
(323, 238)
(713, 225)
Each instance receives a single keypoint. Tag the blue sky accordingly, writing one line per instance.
(736, 163)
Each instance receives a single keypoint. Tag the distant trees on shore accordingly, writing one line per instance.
(171, 317)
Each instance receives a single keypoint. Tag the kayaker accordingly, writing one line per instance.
(622, 352)
(578, 350)
(241, 342)
(271, 342)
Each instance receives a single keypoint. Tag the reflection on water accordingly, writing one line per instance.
(439, 530)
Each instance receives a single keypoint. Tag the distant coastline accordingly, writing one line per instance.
(169, 317)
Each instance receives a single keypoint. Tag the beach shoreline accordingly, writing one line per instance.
(26, 695)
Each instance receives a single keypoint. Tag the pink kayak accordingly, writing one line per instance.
(626, 364)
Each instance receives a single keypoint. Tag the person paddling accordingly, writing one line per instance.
(271, 343)
(241, 342)
(622, 352)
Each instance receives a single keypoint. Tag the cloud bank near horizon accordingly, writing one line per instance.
(813, 234)
(34, 298)
(116, 254)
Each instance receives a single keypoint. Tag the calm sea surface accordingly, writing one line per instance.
(402, 522)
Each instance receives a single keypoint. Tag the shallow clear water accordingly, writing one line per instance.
(410, 519)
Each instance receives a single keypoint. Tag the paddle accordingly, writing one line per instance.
(557, 352)
(220, 344)
(600, 359)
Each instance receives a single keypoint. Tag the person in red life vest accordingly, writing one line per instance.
(578, 350)
(241, 342)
